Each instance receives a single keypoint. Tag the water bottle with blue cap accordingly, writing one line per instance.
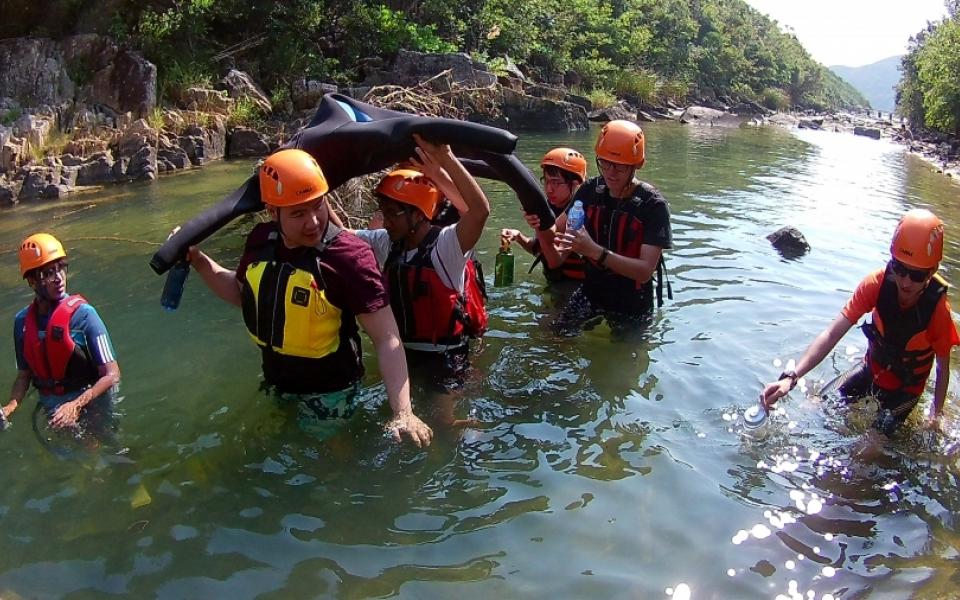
(575, 216)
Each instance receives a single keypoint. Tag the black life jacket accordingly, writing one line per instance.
(430, 315)
(896, 343)
(617, 224)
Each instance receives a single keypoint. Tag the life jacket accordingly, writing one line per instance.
(58, 364)
(573, 267)
(285, 306)
(899, 354)
(430, 315)
(617, 224)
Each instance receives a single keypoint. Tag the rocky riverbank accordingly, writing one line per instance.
(83, 112)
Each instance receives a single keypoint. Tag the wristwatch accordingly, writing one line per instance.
(791, 375)
(603, 257)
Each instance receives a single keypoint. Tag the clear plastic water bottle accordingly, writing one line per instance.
(173, 286)
(755, 421)
(575, 216)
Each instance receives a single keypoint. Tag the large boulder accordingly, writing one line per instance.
(611, 113)
(247, 142)
(204, 100)
(411, 68)
(96, 169)
(32, 72)
(43, 182)
(783, 120)
(700, 114)
(870, 132)
(529, 112)
(306, 93)
(241, 86)
(9, 190)
(87, 68)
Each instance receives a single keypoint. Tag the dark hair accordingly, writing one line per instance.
(567, 176)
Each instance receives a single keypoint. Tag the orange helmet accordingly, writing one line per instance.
(411, 187)
(291, 177)
(38, 250)
(566, 159)
(621, 142)
(918, 239)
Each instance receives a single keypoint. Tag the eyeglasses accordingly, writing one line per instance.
(901, 270)
(49, 271)
(392, 215)
(553, 182)
(612, 167)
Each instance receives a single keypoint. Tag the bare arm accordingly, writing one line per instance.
(940, 388)
(68, 413)
(221, 281)
(471, 223)
(382, 329)
(18, 392)
(814, 354)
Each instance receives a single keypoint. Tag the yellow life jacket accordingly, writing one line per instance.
(285, 307)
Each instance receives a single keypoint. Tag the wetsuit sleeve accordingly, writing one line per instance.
(656, 227)
(864, 298)
(96, 339)
(18, 341)
(942, 331)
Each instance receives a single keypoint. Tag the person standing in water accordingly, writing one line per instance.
(564, 171)
(911, 327)
(61, 345)
(626, 230)
(303, 285)
(435, 291)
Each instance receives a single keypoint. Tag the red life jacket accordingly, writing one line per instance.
(57, 363)
(899, 354)
(617, 224)
(426, 310)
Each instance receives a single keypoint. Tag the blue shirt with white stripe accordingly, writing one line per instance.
(87, 330)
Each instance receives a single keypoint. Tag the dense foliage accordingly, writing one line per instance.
(929, 90)
(648, 49)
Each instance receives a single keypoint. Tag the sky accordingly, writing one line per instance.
(852, 33)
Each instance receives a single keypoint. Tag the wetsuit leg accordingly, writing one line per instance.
(894, 407)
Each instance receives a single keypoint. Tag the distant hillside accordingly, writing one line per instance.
(875, 81)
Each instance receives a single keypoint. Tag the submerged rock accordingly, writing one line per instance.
(789, 242)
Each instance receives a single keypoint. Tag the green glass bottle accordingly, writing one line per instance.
(503, 266)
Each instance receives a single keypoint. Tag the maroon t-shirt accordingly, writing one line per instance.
(353, 284)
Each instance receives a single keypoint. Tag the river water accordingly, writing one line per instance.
(599, 468)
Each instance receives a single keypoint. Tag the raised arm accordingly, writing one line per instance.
(472, 222)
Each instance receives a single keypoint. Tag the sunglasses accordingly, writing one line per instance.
(901, 270)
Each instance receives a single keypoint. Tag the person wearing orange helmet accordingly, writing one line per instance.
(626, 228)
(61, 345)
(911, 327)
(435, 289)
(564, 171)
(303, 285)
